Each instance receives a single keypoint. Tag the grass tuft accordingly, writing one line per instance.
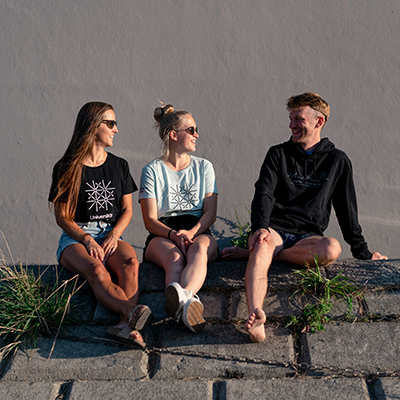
(314, 316)
(244, 230)
(29, 308)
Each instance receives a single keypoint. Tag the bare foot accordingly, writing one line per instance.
(235, 254)
(255, 326)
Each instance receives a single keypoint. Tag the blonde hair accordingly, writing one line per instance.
(312, 100)
(167, 120)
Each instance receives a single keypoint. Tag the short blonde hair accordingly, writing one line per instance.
(312, 100)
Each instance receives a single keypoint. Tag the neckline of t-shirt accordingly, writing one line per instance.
(169, 169)
(101, 165)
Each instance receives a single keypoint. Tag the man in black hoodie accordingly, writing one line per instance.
(300, 180)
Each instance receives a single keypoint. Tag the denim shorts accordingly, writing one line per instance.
(289, 239)
(97, 230)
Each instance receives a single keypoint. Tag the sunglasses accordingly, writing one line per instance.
(191, 130)
(110, 123)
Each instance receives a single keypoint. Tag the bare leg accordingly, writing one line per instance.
(257, 284)
(123, 262)
(166, 254)
(203, 250)
(327, 250)
(125, 265)
(190, 272)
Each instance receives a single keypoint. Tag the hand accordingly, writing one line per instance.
(182, 239)
(110, 244)
(93, 248)
(258, 237)
(378, 256)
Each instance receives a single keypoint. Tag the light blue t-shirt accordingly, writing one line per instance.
(178, 192)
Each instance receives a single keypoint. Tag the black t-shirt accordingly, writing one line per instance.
(101, 190)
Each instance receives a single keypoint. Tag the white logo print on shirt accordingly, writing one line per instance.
(183, 198)
(100, 195)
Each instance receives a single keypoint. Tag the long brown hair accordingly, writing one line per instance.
(70, 165)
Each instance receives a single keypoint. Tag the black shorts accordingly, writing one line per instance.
(176, 223)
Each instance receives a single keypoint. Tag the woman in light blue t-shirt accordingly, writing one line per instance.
(178, 197)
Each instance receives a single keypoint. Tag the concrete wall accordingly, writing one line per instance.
(231, 63)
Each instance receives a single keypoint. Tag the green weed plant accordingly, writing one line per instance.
(244, 230)
(314, 316)
(29, 308)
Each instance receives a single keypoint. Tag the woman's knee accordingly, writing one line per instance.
(129, 267)
(176, 262)
(97, 273)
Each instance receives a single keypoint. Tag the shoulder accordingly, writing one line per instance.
(115, 159)
(339, 155)
(201, 161)
(60, 167)
(153, 165)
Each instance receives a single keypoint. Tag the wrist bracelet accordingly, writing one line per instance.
(169, 233)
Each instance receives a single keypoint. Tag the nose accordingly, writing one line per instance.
(292, 124)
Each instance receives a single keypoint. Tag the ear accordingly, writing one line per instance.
(173, 135)
(320, 122)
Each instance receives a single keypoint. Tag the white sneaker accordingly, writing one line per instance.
(176, 298)
(192, 315)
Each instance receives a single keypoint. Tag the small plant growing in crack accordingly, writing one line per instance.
(314, 316)
(244, 230)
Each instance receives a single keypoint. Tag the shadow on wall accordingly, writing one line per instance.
(224, 236)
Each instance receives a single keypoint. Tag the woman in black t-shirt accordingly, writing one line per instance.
(92, 196)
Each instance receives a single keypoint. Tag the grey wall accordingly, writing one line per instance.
(231, 63)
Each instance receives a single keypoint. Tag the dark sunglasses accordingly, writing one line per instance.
(191, 130)
(110, 123)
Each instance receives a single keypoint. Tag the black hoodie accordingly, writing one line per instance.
(296, 191)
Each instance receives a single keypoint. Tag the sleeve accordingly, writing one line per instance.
(210, 182)
(345, 205)
(129, 185)
(147, 184)
(264, 199)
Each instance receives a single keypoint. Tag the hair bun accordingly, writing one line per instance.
(159, 112)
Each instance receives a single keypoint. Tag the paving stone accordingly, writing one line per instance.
(226, 340)
(28, 390)
(215, 305)
(145, 390)
(83, 304)
(230, 275)
(372, 346)
(151, 278)
(386, 389)
(383, 302)
(156, 302)
(340, 308)
(104, 315)
(76, 360)
(368, 273)
(296, 389)
(275, 304)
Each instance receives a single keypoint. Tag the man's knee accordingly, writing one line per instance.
(330, 250)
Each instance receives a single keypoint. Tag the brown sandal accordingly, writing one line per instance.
(125, 335)
(140, 317)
